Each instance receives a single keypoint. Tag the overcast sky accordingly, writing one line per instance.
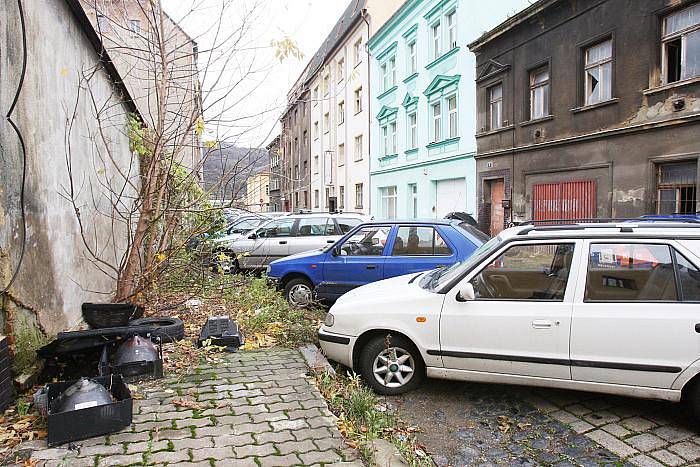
(250, 114)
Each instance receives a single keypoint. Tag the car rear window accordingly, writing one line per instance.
(346, 224)
(473, 231)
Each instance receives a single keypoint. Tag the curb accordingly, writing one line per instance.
(316, 360)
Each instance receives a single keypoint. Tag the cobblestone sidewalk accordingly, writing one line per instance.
(645, 433)
(255, 408)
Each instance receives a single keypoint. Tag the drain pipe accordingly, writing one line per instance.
(363, 14)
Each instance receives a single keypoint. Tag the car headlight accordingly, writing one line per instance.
(267, 269)
(330, 320)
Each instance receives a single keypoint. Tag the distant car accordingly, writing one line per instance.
(691, 218)
(371, 252)
(284, 236)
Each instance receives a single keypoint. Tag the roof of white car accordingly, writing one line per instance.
(327, 214)
(606, 229)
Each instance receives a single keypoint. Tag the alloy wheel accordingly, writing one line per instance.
(393, 367)
(300, 295)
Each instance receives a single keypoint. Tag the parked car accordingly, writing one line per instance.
(371, 252)
(284, 236)
(611, 308)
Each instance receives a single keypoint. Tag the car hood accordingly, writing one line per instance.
(306, 255)
(386, 290)
(227, 238)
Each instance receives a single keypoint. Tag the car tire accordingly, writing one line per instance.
(692, 398)
(294, 289)
(167, 328)
(220, 266)
(374, 368)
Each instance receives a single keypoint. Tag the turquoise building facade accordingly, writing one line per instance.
(423, 107)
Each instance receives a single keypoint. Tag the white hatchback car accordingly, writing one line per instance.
(610, 308)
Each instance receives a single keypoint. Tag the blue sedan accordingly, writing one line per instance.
(371, 252)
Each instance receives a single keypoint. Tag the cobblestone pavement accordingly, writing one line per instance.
(257, 409)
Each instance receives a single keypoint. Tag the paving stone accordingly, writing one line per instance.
(295, 446)
(578, 410)
(53, 453)
(235, 440)
(289, 425)
(205, 463)
(601, 418)
(279, 461)
(72, 462)
(123, 459)
(103, 450)
(645, 461)
(668, 458)
(180, 433)
(274, 437)
(252, 428)
(235, 419)
(292, 405)
(173, 415)
(638, 424)
(645, 442)
(616, 430)
(212, 453)
(320, 457)
(611, 443)
(144, 446)
(581, 426)
(673, 434)
(687, 450)
(269, 417)
(321, 422)
(325, 444)
(257, 450)
(312, 433)
(128, 437)
(564, 416)
(169, 457)
(199, 442)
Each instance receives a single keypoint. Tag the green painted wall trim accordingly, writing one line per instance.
(387, 92)
(406, 9)
(435, 10)
(440, 82)
(410, 151)
(423, 163)
(445, 142)
(409, 100)
(411, 31)
(386, 52)
(442, 58)
(410, 78)
(387, 112)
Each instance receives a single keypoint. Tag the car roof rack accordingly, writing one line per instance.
(549, 225)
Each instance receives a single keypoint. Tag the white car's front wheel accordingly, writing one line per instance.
(391, 365)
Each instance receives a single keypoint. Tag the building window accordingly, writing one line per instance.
(326, 122)
(388, 198)
(357, 52)
(341, 69)
(306, 138)
(306, 167)
(495, 106)
(539, 93)
(315, 95)
(358, 195)
(598, 73)
(436, 33)
(388, 74)
(437, 122)
(341, 112)
(296, 172)
(412, 130)
(358, 148)
(677, 188)
(316, 164)
(389, 139)
(358, 100)
(341, 154)
(413, 201)
(317, 200)
(681, 44)
(452, 116)
(452, 30)
(306, 199)
(412, 57)
(135, 27)
(326, 83)
(341, 197)
(102, 23)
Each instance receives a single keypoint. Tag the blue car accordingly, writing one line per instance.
(371, 252)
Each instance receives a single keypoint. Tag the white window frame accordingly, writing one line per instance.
(341, 69)
(495, 103)
(356, 52)
(412, 48)
(539, 106)
(436, 113)
(358, 148)
(341, 112)
(451, 21)
(601, 65)
(134, 27)
(359, 195)
(358, 100)
(388, 199)
(326, 122)
(436, 39)
(412, 121)
(683, 35)
(341, 154)
(452, 117)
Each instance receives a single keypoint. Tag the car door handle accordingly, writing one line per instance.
(283, 242)
(330, 241)
(544, 324)
(371, 266)
(697, 328)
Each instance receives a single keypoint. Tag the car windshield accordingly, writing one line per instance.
(437, 278)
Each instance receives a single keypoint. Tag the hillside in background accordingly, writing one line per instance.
(227, 167)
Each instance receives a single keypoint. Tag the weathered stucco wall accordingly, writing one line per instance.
(69, 113)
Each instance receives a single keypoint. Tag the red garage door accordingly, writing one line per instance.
(564, 200)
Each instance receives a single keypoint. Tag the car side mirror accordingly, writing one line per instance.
(336, 250)
(466, 293)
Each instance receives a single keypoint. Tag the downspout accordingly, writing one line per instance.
(363, 14)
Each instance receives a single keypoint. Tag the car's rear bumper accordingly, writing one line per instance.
(337, 347)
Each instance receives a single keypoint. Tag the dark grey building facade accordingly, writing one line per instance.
(295, 167)
(274, 152)
(589, 109)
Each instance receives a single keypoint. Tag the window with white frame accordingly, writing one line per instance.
(341, 154)
(412, 130)
(681, 44)
(341, 112)
(317, 199)
(326, 122)
(388, 199)
(451, 19)
(316, 130)
(437, 122)
(315, 96)
(495, 94)
(389, 138)
(412, 57)
(358, 148)
(539, 93)
(326, 83)
(413, 200)
(436, 36)
(357, 52)
(316, 164)
(598, 64)
(358, 195)
(452, 119)
(103, 23)
(134, 27)
(341, 197)
(358, 100)
(388, 70)
(341, 69)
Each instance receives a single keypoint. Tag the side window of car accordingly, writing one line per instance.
(368, 241)
(689, 279)
(630, 272)
(346, 224)
(280, 228)
(419, 241)
(331, 229)
(312, 226)
(527, 272)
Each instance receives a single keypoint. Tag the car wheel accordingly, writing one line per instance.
(692, 398)
(391, 365)
(225, 261)
(299, 292)
(167, 328)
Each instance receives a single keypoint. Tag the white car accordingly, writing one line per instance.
(610, 308)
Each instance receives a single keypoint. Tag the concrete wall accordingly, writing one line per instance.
(57, 114)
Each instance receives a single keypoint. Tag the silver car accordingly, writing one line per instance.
(286, 236)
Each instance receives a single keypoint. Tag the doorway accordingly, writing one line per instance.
(495, 190)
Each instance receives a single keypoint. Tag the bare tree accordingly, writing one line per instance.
(157, 204)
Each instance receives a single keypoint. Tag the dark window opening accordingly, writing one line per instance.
(673, 60)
